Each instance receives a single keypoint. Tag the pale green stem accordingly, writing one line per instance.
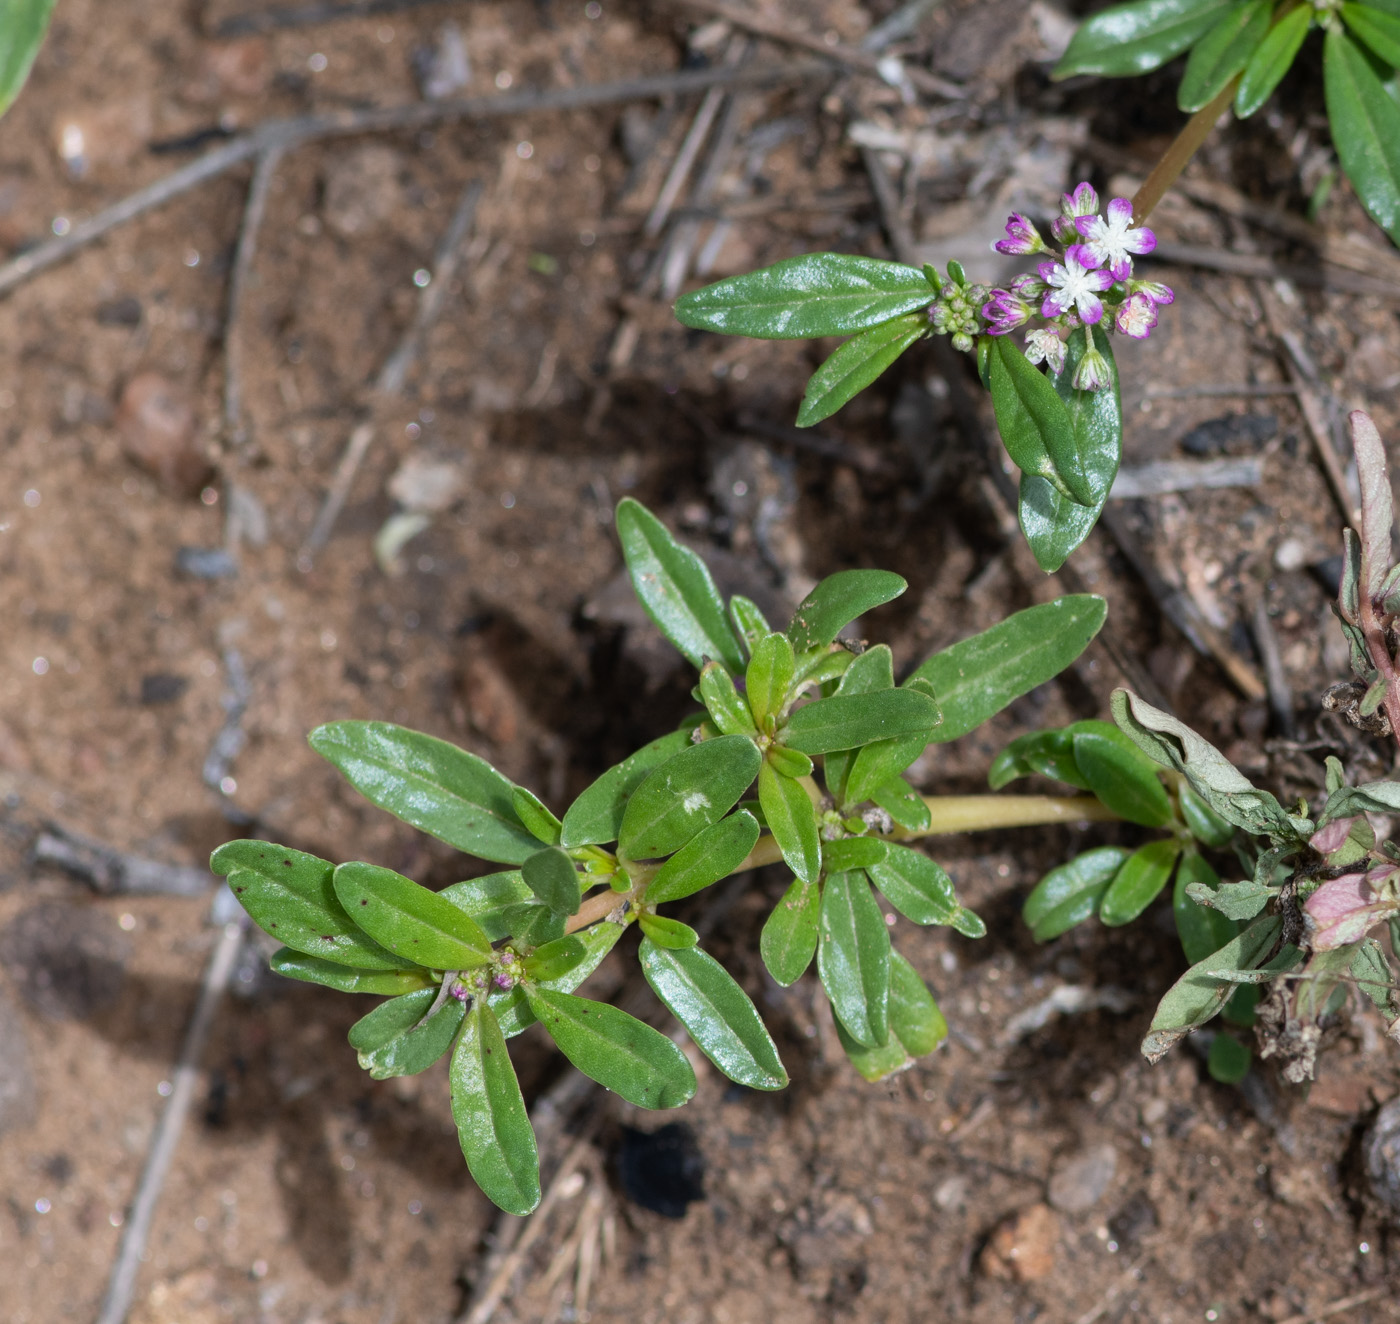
(947, 814)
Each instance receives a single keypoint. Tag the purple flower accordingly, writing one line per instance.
(1136, 316)
(1074, 285)
(1113, 243)
(1082, 202)
(1092, 372)
(1044, 346)
(1021, 237)
(1155, 290)
(502, 980)
(1005, 312)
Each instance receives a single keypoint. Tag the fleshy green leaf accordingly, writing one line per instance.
(1049, 753)
(538, 819)
(416, 1048)
(551, 876)
(532, 924)
(1376, 28)
(675, 588)
(1206, 825)
(853, 853)
(615, 1049)
(22, 29)
(748, 620)
(853, 366)
(391, 1019)
(716, 1013)
(817, 294)
(1272, 58)
(1201, 930)
(596, 816)
(1068, 895)
(1201, 992)
(1053, 524)
(1223, 52)
(1122, 777)
(316, 970)
(512, 1008)
(722, 701)
(409, 920)
(1095, 419)
(291, 895)
(1031, 418)
(1138, 882)
(837, 601)
(493, 1124)
(436, 787)
(486, 899)
(917, 1026)
(868, 673)
(769, 676)
(1365, 123)
(1228, 1060)
(847, 721)
(686, 794)
(978, 677)
(554, 960)
(788, 762)
(1137, 38)
(880, 763)
(920, 889)
(903, 804)
(853, 958)
(792, 819)
(666, 932)
(709, 856)
(789, 938)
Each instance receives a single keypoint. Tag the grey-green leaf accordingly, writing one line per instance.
(615, 1049)
(1365, 122)
(1069, 894)
(291, 895)
(853, 958)
(596, 816)
(493, 1124)
(789, 937)
(1123, 40)
(792, 819)
(316, 970)
(1201, 993)
(675, 588)
(837, 601)
(716, 1013)
(709, 856)
(979, 676)
(443, 790)
(686, 794)
(817, 294)
(409, 920)
(856, 364)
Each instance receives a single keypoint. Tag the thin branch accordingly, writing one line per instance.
(122, 1285)
(392, 375)
(291, 133)
(253, 211)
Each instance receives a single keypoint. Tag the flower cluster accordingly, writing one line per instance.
(955, 310)
(1077, 286)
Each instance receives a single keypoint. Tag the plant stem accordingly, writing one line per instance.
(947, 813)
(1188, 141)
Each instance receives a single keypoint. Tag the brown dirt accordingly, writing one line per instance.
(303, 1191)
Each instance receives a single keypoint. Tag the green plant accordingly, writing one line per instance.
(796, 755)
(22, 27)
(1239, 51)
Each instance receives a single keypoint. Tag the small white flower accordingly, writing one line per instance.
(1113, 243)
(1074, 285)
(1047, 348)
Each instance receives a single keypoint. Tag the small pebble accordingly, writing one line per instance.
(1079, 1181)
(1291, 554)
(205, 563)
(1023, 1246)
(157, 425)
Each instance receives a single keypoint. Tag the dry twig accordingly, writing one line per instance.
(112, 872)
